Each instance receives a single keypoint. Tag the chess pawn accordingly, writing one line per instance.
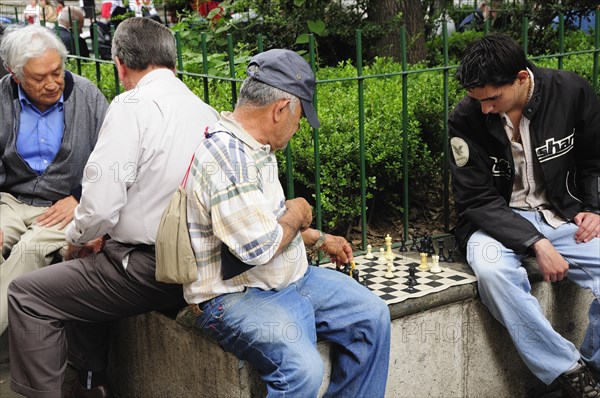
(414, 245)
(450, 259)
(441, 251)
(390, 261)
(430, 248)
(369, 254)
(435, 267)
(423, 266)
(389, 273)
(403, 246)
(382, 256)
(389, 256)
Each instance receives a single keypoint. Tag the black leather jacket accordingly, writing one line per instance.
(564, 114)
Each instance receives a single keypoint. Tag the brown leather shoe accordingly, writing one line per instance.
(76, 390)
(579, 383)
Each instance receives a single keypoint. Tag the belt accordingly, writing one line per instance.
(196, 309)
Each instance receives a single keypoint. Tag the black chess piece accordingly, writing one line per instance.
(411, 286)
(365, 282)
(413, 246)
(423, 245)
(355, 275)
(412, 274)
(450, 259)
(441, 251)
(430, 248)
(402, 245)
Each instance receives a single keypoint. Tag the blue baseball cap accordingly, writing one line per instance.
(289, 72)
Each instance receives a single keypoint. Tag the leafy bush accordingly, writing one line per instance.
(339, 144)
(339, 135)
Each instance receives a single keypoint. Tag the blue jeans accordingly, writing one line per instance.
(504, 288)
(277, 331)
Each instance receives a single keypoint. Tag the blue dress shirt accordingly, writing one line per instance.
(40, 133)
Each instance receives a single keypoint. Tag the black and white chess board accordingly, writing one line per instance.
(395, 290)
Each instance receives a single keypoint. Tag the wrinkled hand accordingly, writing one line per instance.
(60, 213)
(75, 251)
(552, 265)
(589, 226)
(302, 210)
(338, 249)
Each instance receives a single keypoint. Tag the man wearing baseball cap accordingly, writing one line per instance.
(255, 294)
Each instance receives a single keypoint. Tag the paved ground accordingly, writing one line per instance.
(5, 391)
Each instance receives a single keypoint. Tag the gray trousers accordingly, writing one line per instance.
(83, 296)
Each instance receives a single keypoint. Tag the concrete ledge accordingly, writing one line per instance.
(443, 344)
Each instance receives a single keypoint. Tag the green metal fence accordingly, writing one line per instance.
(405, 73)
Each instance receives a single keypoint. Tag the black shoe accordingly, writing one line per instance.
(76, 390)
(579, 383)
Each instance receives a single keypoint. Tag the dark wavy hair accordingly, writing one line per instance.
(493, 60)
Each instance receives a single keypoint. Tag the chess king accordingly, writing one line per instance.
(526, 173)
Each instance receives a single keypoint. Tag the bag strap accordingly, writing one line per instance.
(187, 173)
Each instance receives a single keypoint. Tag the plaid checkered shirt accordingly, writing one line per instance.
(235, 197)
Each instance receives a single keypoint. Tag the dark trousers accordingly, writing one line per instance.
(83, 296)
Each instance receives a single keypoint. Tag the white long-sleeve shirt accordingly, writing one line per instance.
(144, 148)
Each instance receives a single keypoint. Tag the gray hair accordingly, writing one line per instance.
(142, 42)
(19, 45)
(258, 94)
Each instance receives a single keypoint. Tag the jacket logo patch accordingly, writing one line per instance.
(460, 150)
(554, 148)
(501, 167)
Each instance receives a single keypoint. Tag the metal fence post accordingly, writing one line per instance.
(445, 157)
(596, 51)
(361, 137)
(317, 151)
(179, 55)
(404, 127)
(561, 39)
(204, 66)
(231, 57)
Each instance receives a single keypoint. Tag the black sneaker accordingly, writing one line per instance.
(579, 383)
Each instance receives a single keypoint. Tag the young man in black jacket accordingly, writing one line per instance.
(526, 173)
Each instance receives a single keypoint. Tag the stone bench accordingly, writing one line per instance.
(443, 344)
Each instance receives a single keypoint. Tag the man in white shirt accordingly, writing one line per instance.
(145, 144)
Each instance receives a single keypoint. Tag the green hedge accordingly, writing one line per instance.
(339, 134)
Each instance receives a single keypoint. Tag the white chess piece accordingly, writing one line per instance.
(382, 256)
(435, 268)
(369, 254)
(389, 254)
(423, 266)
(389, 274)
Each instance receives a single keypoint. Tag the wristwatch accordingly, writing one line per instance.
(319, 241)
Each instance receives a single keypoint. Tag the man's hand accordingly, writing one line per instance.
(338, 249)
(76, 251)
(301, 211)
(60, 213)
(589, 226)
(552, 265)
